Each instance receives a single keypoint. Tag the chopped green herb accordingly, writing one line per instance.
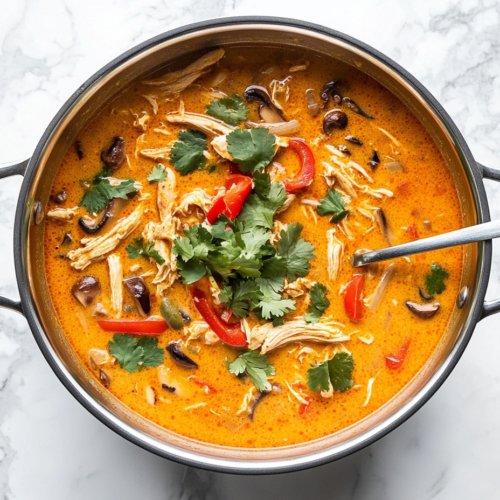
(297, 253)
(231, 110)
(273, 306)
(337, 371)
(138, 249)
(133, 355)
(333, 204)
(251, 149)
(434, 282)
(211, 169)
(187, 152)
(255, 365)
(319, 303)
(97, 198)
(158, 174)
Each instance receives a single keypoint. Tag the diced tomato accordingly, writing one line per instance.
(353, 299)
(395, 360)
(135, 327)
(412, 231)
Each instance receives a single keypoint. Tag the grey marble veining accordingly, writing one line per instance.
(51, 448)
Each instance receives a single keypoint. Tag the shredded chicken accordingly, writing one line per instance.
(116, 278)
(196, 329)
(280, 87)
(206, 124)
(277, 172)
(95, 249)
(141, 121)
(174, 82)
(287, 204)
(335, 254)
(152, 100)
(166, 194)
(157, 153)
(247, 401)
(63, 214)
(197, 197)
(276, 234)
(328, 394)
(298, 287)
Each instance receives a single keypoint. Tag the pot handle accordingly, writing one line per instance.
(490, 306)
(7, 170)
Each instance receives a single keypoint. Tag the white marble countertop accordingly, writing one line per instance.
(52, 448)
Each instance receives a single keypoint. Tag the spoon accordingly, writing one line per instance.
(472, 234)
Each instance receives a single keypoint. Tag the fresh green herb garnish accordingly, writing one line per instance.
(158, 174)
(97, 198)
(251, 149)
(434, 281)
(187, 152)
(138, 249)
(211, 169)
(319, 303)
(255, 365)
(337, 371)
(297, 253)
(231, 110)
(333, 204)
(133, 355)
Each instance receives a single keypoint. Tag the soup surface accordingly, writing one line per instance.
(309, 344)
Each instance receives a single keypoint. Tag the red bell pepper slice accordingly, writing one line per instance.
(353, 299)
(395, 360)
(307, 169)
(412, 231)
(230, 334)
(238, 188)
(136, 327)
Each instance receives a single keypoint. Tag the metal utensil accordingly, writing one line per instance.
(472, 234)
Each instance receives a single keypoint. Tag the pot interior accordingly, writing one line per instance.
(150, 60)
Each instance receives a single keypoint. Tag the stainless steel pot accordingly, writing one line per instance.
(150, 57)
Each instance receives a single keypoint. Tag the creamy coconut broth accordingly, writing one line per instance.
(309, 345)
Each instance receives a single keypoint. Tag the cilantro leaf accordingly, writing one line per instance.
(262, 183)
(125, 349)
(102, 174)
(152, 355)
(231, 110)
(183, 248)
(158, 174)
(212, 168)
(337, 371)
(434, 281)
(96, 199)
(273, 306)
(297, 252)
(137, 249)
(244, 295)
(191, 271)
(187, 152)
(251, 149)
(319, 303)
(255, 365)
(333, 204)
(259, 211)
(274, 267)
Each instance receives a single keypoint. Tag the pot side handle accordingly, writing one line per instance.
(7, 170)
(490, 306)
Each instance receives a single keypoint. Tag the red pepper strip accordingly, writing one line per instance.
(307, 168)
(202, 383)
(412, 231)
(232, 202)
(353, 300)
(303, 408)
(230, 334)
(395, 360)
(136, 327)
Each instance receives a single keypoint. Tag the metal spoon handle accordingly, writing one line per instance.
(471, 234)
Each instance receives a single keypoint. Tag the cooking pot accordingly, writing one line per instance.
(184, 45)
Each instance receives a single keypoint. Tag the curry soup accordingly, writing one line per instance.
(310, 345)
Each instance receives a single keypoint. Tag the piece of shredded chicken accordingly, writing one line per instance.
(335, 254)
(290, 198)
(276, 234)
(157, 153)
(246, 405)
(116, 279)
(152, 99)
(206, 124)
(197, 197)
(174, 82)
(95, 249)
(297, 288)
(63, 214)
(277, 172)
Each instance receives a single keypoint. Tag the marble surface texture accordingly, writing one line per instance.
(52, 448)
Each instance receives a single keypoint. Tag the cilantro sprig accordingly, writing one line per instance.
(251, 149)
(255, 365)
(138, 249)
(134, 355)
(333, 204)
(319, 303)
(434, 281)
(158, 174)
(231, 110)
(187, 152)
(337, 371)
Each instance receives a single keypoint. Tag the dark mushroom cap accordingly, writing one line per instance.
(106, 214)
(349, 103)
(424, 311)
(267, 111)
(330, 89)
(139, 290)
(60, 197)
(86, 289)
(114, 156)
(334, 119)
(353, 140)
(175, 351)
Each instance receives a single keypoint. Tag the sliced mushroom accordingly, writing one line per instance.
(60, 197)
(175, 351)
(382, 223)
(98, 358)
(86, 289)
(104, 378)
(394, 166)
(185, 316)
(424, 311)
(349, 103)
(79, 149)
(334, 119)
(423, 296)
(312, 103)
(114, 156)
(150, 395)
(110, 210)
(275, 389)
(67, 240)
(353, 140)
(329, 90)
(344, 149)
(139, 290)
(98, 310)
(374, 162)
(279, 129)
(267, 109)
(168, 382)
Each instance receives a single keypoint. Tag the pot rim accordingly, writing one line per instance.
(246, 466)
